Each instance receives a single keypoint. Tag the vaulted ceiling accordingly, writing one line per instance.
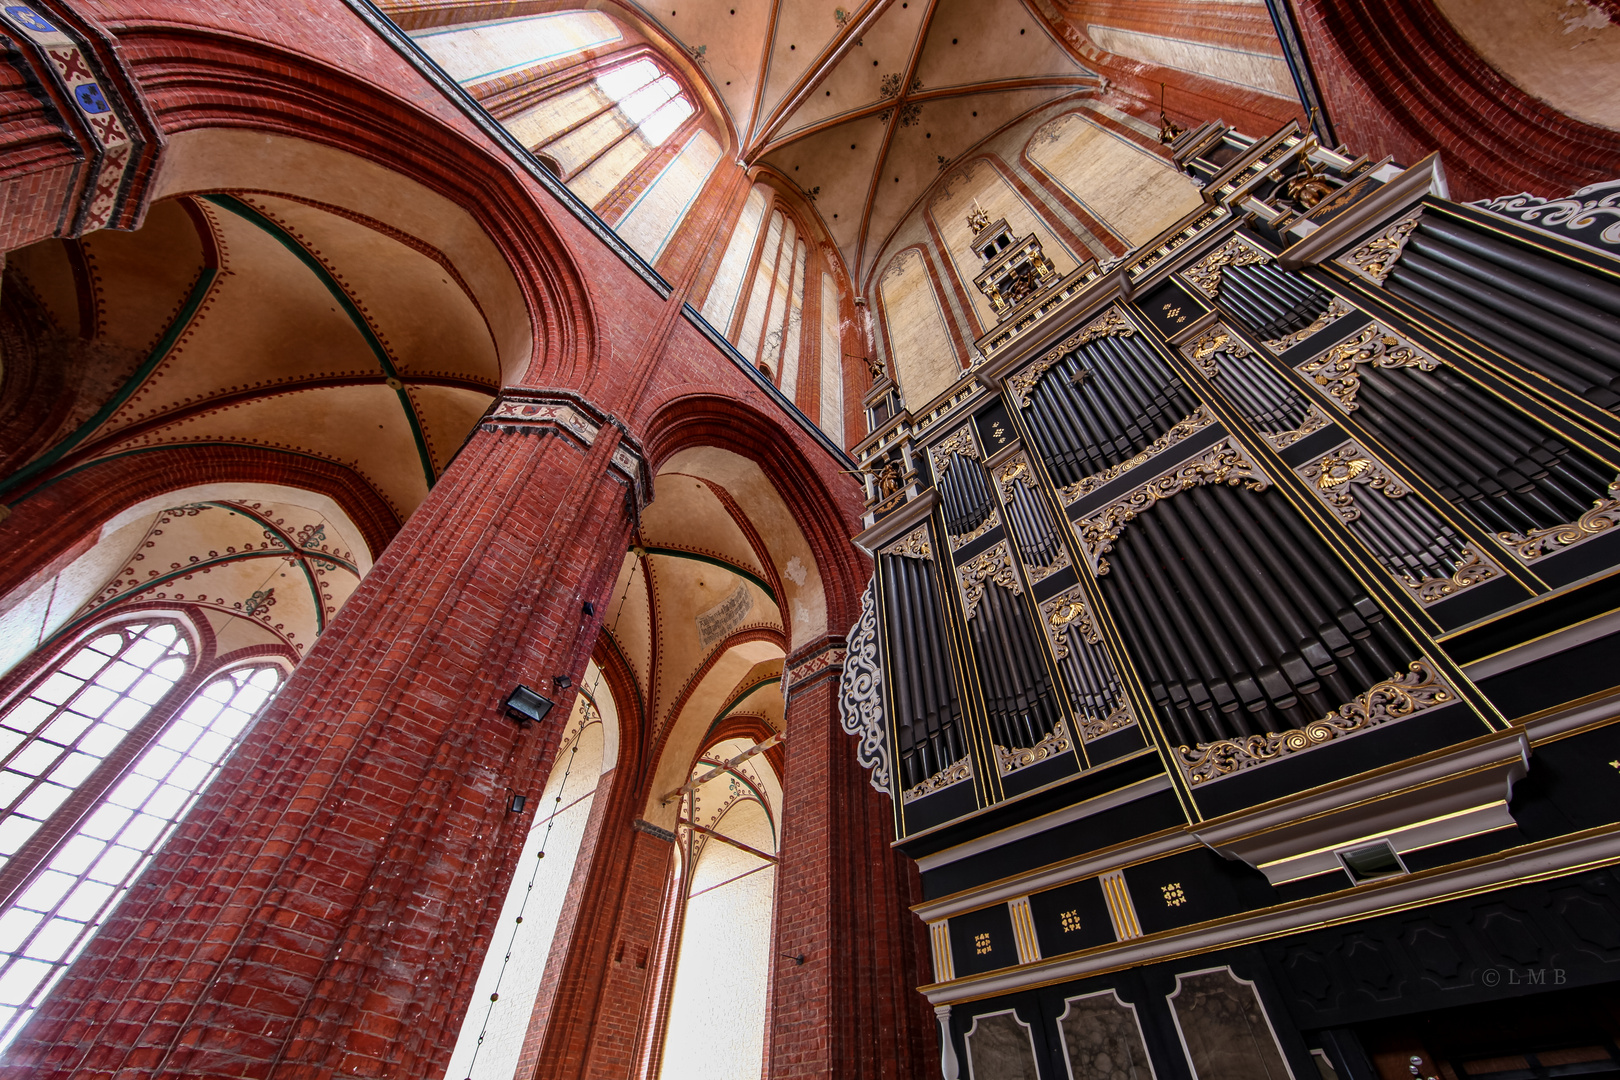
(863, 106)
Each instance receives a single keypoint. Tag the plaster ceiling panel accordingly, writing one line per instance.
(268, 321)
(415, 304)
(142, 278)
(802, 34)
(840, 162)
(629, 620)
(686, 513)
(448, 414)
(233, 632)
(857, 79)
(970, 42)
(732, 44)
(944, 129)
(362, 427)
(699, 607)
(804, 596)
(685, 732)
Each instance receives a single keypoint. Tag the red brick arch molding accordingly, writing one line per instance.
(1399, 80)
(58, 521)
(827, 515)
(329, 81)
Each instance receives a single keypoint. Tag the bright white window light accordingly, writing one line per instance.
(58, 913)
(57, 735)
(647, 97)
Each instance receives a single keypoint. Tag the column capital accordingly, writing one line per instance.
(526, 409)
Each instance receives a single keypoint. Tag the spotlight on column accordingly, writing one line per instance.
(515, 804)
(563, 682)
(526, 706)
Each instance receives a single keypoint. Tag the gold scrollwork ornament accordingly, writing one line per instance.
(995, 565)
(914, 545)
(954, 773)
(1054, 743)
(1396, 698)
(1111, 323)
(1205, 275)
(1375, 259)
(1605, 513)
(1338, 369)
(1220, 464)
(1191, 424)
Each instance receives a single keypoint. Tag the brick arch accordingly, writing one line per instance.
(826, 519)
(203, 81)
(747, 726)
(53, 524)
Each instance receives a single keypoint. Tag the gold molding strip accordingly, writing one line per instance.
(939, 933)
(1120, 909)
(1029, 946)
(1396, 698)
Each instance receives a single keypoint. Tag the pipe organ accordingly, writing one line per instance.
(1212, 555)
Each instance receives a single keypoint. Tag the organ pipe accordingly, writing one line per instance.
(927, 713)
(1101, 403)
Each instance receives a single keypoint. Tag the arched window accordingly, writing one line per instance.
(102, 766)
(770, 328)
(597, 132)
(718, 999)
(505, 996)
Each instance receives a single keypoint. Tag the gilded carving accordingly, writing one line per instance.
(959, 441)
(1067, 612)
(959, 542)
(1313, 421)
(1052, 744)
(995, 565)
(1396, 698)
(1041, 573)
(1332, 476)
(1217, 339)
(1338, 369)
(1220, 464)
(1336, 310)
(1377, 257)
(1205, 275)
(913, 545)
(1111, 323)
(1471, 569)
(954, 773)
(1603, 516)
(1188, 425)
(1092, 728)
(1014, 470)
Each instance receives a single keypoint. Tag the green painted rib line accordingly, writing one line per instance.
(733, 568)
(301, 253)
(165, 343)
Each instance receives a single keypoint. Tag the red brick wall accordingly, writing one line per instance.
(1398, 80)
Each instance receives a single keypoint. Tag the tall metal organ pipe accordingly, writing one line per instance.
(1555, 319)
(965, 492)
(927, 712)
(1502, 469)
(1101, 403)
(1271, 302)
(1020, 705)
(1241, 622)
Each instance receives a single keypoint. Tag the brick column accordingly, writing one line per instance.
(324, 909)
(851, 1010)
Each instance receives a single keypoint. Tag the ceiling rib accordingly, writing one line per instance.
(815, 74)
(899, 102)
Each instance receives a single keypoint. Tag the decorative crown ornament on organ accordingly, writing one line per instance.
(1015, 270)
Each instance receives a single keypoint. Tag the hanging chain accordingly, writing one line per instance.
(590, 697)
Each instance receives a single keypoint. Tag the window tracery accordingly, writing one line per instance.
(95, 823)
